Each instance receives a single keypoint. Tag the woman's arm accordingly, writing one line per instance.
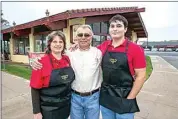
(36, 103)
(35, 100)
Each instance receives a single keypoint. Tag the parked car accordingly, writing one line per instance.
(146, 47)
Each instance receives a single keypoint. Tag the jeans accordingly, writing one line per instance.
(85, 107)
(108, 114)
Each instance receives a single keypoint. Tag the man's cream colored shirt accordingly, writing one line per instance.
(87, 68)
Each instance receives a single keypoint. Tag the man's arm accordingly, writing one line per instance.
(139, 65)
(140, 75)
(35, 64)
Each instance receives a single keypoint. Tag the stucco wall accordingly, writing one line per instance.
(20, 58)
(134, 36)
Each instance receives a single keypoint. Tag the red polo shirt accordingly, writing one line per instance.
(40, 78)
(135, 54)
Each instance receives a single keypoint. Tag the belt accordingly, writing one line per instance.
(86, 93)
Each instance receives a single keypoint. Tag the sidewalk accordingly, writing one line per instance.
(159, 96)
(16, 101)
(157, 100)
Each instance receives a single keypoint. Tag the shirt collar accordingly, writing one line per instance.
(123, 44)
(53, 58)
(84, 50)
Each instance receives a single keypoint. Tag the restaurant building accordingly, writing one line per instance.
(31, 36)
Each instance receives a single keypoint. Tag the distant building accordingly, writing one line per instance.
(32, 35)
(153, 44)
(4, 43)
(173, 44)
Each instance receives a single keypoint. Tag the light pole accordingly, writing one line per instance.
(4, 67)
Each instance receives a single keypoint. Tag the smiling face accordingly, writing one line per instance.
(84, 37)
(57, 45)
(117, 29)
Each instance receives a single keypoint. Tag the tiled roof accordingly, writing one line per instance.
(74, 14)
(101, 9)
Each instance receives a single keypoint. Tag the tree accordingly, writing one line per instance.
(4, 22)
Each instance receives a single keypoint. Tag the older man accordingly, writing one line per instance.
(85, 62)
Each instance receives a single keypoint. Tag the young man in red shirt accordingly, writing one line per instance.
(124, 72)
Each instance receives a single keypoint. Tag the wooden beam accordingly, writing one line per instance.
(135, 24)
(57, 25)
(137, 28)
(130, 15)
(94, 19)
(22, 32)
(135, 19)
(141, 35)
(140, 32)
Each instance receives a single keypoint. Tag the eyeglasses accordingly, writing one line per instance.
(86, 35)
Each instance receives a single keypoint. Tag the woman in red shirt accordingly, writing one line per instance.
(51, 85)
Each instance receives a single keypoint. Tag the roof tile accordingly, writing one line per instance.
(65, 15)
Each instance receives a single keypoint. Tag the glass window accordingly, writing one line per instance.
(38, 46)
(21, 45)
(8, 47)
(40, 43)
(27, 46)
(96, 27)
(103, 38)
(91, 26)
(96, 40)
(45, 43)
(104, 27)
(16, 46)
(5, 46)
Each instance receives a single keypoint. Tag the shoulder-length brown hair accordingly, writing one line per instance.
(50, 38)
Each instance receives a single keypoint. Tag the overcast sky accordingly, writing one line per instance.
(160, 18)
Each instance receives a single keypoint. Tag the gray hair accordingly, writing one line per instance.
(85, 26)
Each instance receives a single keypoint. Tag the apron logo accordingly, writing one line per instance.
(113, 60)
(64, 77)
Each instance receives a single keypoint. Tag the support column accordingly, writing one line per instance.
(1, 46)
(4, 45)
(11, 45)
(134, 36)
(67, 34)
(32, 40)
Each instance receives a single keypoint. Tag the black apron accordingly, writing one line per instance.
(56, 99)
(117, 83)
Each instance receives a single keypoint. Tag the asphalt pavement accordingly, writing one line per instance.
(170, 57)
